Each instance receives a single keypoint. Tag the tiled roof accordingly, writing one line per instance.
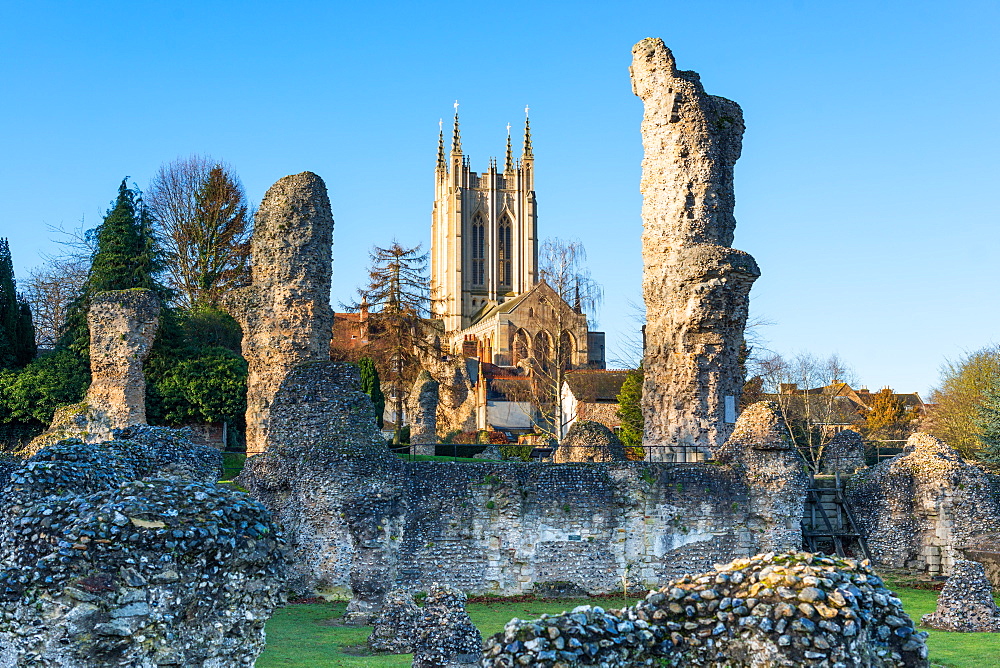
(592, 385)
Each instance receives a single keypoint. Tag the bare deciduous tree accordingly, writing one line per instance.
(50, 288)
(561, 264)
(806, 390)
(203, 221)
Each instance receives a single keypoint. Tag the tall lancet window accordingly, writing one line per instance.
(478, 250)
(504, 250)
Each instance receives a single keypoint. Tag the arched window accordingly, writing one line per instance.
(504, 251)
(478, 250)
(520, 346)
(566, 349)
(543, 347)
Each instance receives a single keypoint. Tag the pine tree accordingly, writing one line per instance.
(397, 297)
(371, 386)
(630, 414)
(125, 258)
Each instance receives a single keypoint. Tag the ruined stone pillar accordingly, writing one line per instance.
(422, 412)
(285, 313)
(695, 285)
(123, 325)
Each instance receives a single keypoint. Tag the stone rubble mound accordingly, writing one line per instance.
(789, 609)
(966, 602)
(109, 557)
(446, 636)
(395, 628)
(589, 441)
(918, 508)
(845, 453)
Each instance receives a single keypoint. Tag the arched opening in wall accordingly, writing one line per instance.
(519, 346)
(478, 268)
(504, 250)
(567, 347)
(542, 349)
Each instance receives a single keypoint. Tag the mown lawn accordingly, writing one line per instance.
(310, 636)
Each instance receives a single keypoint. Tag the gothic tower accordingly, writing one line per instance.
(483, 231)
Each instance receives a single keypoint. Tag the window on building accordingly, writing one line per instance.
(504, 253)
(478, 250)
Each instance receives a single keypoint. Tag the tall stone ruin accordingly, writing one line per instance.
(422, 412)
(285, 313)
(695, 285)
(123, 326)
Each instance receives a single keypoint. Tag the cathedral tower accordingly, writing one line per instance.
(483, 231)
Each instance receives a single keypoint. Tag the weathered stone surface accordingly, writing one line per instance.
(422, 411)
(792, 609)
(395, 628)
(123, 325)
(589, 441)
(446, 636)
(845, 453)
(694, 285)
(109, 556)
(776, 474)
(285, 313)
(360, 527)
(966, 602)
(920, 508)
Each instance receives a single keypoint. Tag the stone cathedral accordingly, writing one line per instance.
(485, 286)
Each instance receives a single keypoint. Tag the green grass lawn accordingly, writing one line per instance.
(311, 636)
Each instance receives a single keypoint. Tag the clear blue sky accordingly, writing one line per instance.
(866, 191)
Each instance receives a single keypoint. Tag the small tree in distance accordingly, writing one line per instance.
(630, 414)
(17, 331)
(398, 301)
(371, 386)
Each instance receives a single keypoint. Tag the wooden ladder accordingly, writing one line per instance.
(839, 531)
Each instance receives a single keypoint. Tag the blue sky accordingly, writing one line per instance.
(866, 190)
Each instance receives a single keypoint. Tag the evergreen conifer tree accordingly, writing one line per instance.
(24, 334)
(125, 258)
(371, 386)
(630, 413)
(17, 333)
(8, 308)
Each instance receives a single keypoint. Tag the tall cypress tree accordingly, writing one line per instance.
(371, 386)
(9, 309)
(24, 334)
(125, 258)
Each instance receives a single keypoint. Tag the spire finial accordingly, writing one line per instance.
(441, 163)
(527, 154)
(456, 137)
(508, 165)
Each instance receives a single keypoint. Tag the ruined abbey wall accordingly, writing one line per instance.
(695, 285)
(285, 313)
(123, 326)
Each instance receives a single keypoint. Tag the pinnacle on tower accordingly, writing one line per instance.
(527, 154)
(508, 165)
(441, 162)
(456, 137)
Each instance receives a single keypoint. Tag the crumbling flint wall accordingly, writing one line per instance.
(285, 313)
(123, 325)
(922, 508)
(360, 523)
(695, 285)
(126, 553)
